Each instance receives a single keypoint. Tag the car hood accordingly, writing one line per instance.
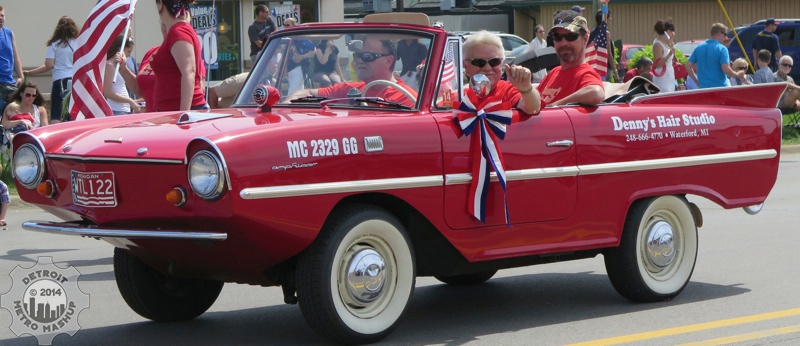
(158, 136)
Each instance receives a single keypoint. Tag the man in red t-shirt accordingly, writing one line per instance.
(574, 81)
(374, 60)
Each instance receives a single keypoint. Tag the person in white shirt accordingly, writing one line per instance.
(539, 42)
(59, 59)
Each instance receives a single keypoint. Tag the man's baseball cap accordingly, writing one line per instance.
(771, 21)
(570, 20)
(577, 8)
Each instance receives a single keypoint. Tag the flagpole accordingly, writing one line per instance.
(125, 36)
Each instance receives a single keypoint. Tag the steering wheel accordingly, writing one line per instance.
(391, 84)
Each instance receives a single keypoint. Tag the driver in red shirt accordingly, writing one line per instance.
(373, 60)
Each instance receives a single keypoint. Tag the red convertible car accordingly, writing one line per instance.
(345, 201)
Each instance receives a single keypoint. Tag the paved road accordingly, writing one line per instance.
(746, 287)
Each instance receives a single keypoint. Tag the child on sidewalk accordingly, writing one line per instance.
(764, 73)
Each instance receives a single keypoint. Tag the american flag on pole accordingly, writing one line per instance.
(449, 68)
(105, 22)
(597, 50)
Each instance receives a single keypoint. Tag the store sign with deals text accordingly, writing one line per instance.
(204, 22)
(280, 13)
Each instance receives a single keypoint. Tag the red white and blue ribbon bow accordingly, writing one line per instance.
(490, 119)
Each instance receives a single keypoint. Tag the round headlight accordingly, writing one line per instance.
(206, 176)
(28, 165)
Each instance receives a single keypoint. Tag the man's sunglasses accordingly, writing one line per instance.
(787, 65)
(570, 37)
(369, 56)
(493, 62)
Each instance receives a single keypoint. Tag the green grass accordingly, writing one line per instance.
(791, 132)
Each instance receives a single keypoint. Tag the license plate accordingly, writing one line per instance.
(94, 189)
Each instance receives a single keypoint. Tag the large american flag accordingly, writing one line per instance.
(106, 21)
(597, 50)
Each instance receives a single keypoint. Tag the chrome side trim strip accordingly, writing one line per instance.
(339, 187)
(110, 159)
(630, 166)
(522, 174)
(67, 228)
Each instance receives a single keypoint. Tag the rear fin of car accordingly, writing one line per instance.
(757, 96)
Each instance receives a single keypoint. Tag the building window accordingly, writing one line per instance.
(221, 26)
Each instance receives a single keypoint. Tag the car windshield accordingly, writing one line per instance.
(339, 66)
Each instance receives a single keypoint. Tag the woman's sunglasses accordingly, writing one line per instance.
(368, 56)
(570, 37)
(29, 95)
(493, 62)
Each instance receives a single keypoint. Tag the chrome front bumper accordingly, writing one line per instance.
(69, 228)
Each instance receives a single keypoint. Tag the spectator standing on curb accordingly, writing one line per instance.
(766, 39)
(710, 61)
(663, 53)
(538, 42)
(116, 78)
(178, 64)
(600, 37)
(9, 62)
(60, 48)
(259, 31)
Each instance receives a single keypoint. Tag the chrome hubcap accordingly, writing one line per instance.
(366, 275)
(660, 244)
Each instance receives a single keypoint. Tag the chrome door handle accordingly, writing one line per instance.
(561, 143)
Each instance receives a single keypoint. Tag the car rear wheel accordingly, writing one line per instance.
(466, 279)
(355, 281)
(158, 297)
(657, 252)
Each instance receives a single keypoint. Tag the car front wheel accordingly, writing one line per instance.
(657, 252)
(356, 279)
(158, 297)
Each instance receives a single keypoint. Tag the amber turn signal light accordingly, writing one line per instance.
(46, 189)
(177, 196)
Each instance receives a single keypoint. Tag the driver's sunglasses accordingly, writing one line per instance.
(369, 56)
(570, 37)
(493, 62)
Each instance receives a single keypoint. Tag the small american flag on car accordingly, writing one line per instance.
(449, 69)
